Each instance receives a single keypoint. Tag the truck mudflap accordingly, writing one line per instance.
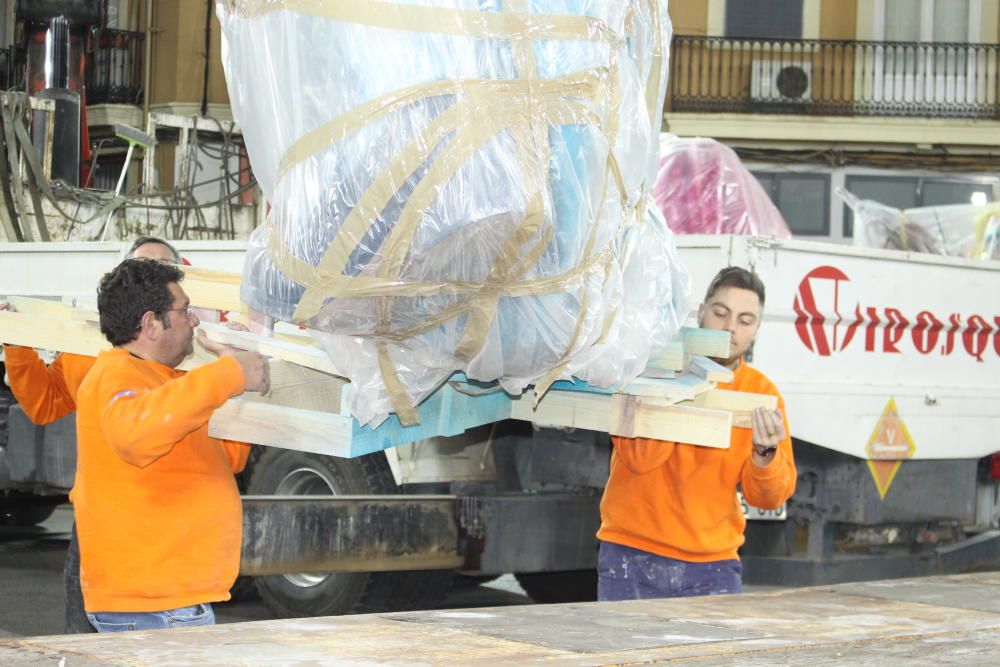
(348, 534)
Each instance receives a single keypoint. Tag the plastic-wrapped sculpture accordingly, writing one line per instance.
(457, 185)
(703, 188)
(960, 230)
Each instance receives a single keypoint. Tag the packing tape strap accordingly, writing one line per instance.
(585, 84)
(421, 18)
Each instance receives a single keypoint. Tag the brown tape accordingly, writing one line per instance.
(526, 107)
(443, 20)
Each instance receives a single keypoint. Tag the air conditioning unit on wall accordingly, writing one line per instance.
(780, 81)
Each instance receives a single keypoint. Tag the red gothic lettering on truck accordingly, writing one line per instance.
(818, 330)
(926, 332)
(810, 321)
(976, 337)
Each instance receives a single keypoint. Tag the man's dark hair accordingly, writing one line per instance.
(135, 286)
(143, 240)
(734, 276)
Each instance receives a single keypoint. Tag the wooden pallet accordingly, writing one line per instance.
(306, 408)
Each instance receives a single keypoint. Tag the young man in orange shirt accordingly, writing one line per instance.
(48, 393)
(158, 513)
(670, 521)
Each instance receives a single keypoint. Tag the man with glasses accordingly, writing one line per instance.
(157, 508)
(48, 393)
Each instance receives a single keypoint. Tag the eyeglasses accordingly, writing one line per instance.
(188, 311)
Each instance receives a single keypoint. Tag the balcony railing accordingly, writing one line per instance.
(114, 72)
(841, 78)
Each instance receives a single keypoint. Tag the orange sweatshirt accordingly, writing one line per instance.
(46, 393)
(158, 514)
(679, 501)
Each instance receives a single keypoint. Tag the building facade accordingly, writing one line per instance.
(893, 100)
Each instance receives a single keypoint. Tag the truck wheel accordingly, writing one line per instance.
(25, 515)
(287, 472)
(556, 587)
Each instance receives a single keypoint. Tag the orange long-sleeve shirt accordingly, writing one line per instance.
(45, 393)
(157, 509)
(679, 501)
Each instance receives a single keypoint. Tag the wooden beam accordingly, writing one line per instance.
(636, 417)
(218, 290)
(281, 426)
(629, 416)
(299, 387)
(705, 342)
(309, 356)
(682, 388)
(740, 403)
(41, 307)
(59, 335)
(671, 359)
(710, 370)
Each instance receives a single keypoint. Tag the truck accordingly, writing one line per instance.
(887, 361)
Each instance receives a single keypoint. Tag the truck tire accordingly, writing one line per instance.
(556, 587)
(26, 511)
(288, 472)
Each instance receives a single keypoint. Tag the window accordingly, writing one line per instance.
(902, 21)
(803, 199)
(764, 19)
(951, 21)
(911, 192)
(925, 21)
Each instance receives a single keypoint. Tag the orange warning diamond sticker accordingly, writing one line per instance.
(889, 444)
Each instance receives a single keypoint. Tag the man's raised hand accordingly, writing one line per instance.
(256, 371)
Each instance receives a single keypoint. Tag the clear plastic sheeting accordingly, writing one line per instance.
(458, 186)
(703, 188)
(962, 230)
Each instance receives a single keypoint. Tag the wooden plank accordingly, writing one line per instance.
(303, 355)
(218, 290)
(658, 373)
(671, 359)
(84, 315)
(682, 388)
(281, 426)
(564, 409)
(629, 416)
(299, 387)
(41, 307)
(636, 417)
(214, 290)
(60, 335)
(710, 370)
(705, 342)
(740, 403)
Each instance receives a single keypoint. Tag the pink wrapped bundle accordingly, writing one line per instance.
(703, 188)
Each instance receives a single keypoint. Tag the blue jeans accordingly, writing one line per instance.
(125, 621)
(624, 573)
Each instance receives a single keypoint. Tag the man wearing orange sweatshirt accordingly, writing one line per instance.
(670, 521)
(48, 393)
(157, 509)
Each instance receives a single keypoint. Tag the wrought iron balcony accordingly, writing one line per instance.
(839, 78)
(114, 69)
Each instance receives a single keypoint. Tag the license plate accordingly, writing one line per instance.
(757, 514)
